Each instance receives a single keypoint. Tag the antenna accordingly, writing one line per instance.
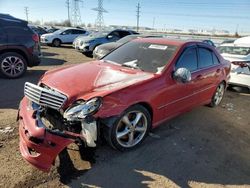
(99, 19)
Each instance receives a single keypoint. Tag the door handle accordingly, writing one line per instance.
(199, 77)
(218, 70)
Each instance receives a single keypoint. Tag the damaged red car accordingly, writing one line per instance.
(122, 96)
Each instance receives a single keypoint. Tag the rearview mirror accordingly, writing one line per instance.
(182, 75)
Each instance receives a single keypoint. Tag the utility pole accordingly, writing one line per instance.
(100, 10)
(153, 23)
(138, 16)
(26, 11)
(76, 14)
(67, 5)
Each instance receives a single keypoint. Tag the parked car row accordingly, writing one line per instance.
(89, 43)
(62, 36)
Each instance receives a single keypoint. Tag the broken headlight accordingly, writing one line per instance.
(80, 110)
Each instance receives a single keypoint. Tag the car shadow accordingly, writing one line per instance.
(66, 46)
(47, 61)
(46, 54)
(12, 89)
(190, 149)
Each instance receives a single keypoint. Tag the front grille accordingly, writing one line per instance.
(44, 96)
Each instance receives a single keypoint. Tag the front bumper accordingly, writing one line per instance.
(38, 145)
(84, 48)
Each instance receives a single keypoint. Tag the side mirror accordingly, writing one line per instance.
(182, 75)
(110, 36)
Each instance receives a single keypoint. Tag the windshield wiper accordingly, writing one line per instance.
(132, 66)
(111, 62)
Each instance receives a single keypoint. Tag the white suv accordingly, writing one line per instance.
(62, 36)
(238, 53)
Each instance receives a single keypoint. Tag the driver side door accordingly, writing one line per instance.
(181, 97)
(66, 36)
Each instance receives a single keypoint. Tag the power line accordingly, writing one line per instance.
(67, 5)
(138, 16)
(26, 11)
(76, 15)
(100, 10)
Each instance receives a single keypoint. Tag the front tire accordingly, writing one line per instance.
(130, 129)
(56, 43)
(12, 65)
(218, 95)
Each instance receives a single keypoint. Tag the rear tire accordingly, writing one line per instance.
(56, 43)
(12, 65)
(218, 95)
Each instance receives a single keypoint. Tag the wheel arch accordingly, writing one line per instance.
(147, 106)
(19, 51)
(56, 38)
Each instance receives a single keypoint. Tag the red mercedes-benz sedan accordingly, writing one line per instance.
(122, 96)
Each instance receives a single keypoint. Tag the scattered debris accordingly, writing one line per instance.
(174, 127)
(6, 130)
(154, 135)
(230, 106)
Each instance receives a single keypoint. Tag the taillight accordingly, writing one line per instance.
(241, 63)
(35, 37)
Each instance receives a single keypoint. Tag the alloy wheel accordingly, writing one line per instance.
(12, 66)
(131, 129)
(219, 94)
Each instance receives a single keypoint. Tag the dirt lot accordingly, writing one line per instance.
(203, 148)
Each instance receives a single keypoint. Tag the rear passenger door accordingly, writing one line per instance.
(209, 71)
(3, 37)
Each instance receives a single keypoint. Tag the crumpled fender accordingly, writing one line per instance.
(38, 146)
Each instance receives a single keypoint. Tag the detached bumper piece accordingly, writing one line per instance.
(39, 145)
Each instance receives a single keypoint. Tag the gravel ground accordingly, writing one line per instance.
(207, 147)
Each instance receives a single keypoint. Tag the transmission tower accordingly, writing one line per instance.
(75, 13)
(100, 10)
(26, 11)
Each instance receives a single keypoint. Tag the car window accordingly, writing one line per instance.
(148, 57)
(115, 34)
(215, 59)
(188, 60)
(75, 31)
(205, 58)
(67, 32)
(123, 33)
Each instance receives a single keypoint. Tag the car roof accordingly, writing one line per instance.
(8, 17)
(244, 41)
(166, 41)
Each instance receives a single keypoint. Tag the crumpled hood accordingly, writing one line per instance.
(88, 80)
